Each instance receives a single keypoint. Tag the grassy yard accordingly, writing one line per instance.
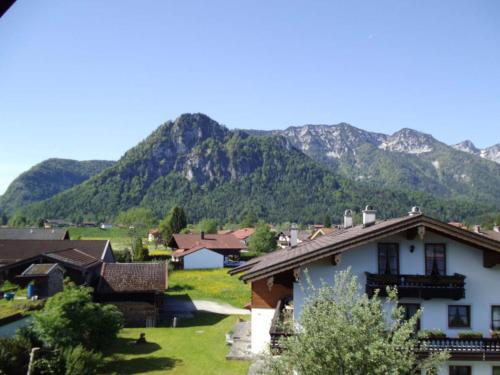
(216, 285)
(8, 308)
(196, 347)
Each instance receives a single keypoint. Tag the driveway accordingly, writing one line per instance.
(187, 305)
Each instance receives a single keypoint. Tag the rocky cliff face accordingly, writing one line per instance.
(490, 153)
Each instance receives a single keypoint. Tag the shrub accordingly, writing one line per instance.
(14, 355)
(495, 334)
(78, 361)
(470, 335)
(432, 334)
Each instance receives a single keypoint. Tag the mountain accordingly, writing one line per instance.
(490, 153)
(48, 178)
(218, 173)
(407, 159)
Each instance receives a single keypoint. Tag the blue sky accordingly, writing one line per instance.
(89, 79)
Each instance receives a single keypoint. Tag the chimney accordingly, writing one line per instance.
(202, 235)
(294, 235)
(347, 218)
(415, 210)
(477, 229)
(369, 216)
(496, 228)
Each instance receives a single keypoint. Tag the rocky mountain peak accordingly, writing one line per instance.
(467, 146)
(409, 141)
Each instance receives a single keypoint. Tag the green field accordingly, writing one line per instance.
(196, 347)
(216, 285)
(9, 308)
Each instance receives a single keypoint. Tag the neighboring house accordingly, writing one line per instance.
(322, 232)
(33, 234)
(137, 289)
(89, 224)
(47, 279)
(154, 235)
(80, 258)
(106, 226)
(292, 237)
(57, 223)
(449, 272)
(204, 250)
(243, 235)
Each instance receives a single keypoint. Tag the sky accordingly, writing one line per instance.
(90, 79)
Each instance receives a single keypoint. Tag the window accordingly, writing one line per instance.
(410, 310)
(496, 370)
(495, 320)
(458, 316)
(460, 370)
(435, 259)
(388, 259)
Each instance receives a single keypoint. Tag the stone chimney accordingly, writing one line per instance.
(369, 216)
(415, 210)
(202, 235)
(477, 229)
(294, 235)
(496, 228)
(347, 218)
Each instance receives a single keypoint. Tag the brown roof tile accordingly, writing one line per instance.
(133, 278)
(243, 233)
(211, 241)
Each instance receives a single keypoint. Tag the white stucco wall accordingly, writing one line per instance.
(481, 289)
(261, 324)
(478, 368)
(203, 259)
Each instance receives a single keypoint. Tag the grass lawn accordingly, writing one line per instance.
(196, 347)
(8, 308)
(216, 285)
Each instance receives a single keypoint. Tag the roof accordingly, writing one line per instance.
(322, 232)
(243, 233)
(493, 234)
(133, 278)
(210, 241)
(347, 238)
(182, 253)
(40, 269)
(33, 234)
(82, 253)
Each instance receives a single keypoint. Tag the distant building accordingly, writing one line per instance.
(205, 250)
(243, 235)
(33, 234)
(106, 226)
(154, 235)
(57, 223)
(47, 278)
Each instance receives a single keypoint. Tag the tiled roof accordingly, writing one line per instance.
(211, 241)
(133, 278)
(81, 252)
(182, 253)
(243, 233)
(346, 238)
(39, 269)
(33, 234)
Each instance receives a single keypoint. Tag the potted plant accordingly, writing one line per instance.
(432, 334)
(495, 334)
(470, 335)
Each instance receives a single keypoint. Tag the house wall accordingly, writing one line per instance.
(261, 324)
(460, 258)
(203, 259)
(478, 368)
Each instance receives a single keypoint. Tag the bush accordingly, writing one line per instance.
(432, 334)
(495, 334)
(14, 355)
(78, 361)
(470, 335)
(71, 318)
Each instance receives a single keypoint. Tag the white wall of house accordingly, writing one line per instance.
(478, 368)
(261, 324)
(480, 292)
(203, 259)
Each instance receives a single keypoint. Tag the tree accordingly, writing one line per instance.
(344, 332)
(263, 240)
(138, 217)
(208, 226)
(327, 221)
(70, 318)
(139, 251)
(18, 220)
(14, 355)
(173, 223)
(249, 220)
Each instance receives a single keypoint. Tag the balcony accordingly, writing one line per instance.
(418, 286)
(281, 326)
(462, 349)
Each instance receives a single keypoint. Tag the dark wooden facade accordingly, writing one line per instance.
(266, 293)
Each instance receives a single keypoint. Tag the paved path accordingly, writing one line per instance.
(173, 304)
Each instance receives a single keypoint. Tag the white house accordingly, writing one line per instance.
(449, 272)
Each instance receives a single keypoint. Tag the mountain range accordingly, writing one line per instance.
(297, 174)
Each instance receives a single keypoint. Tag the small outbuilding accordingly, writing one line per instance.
(47, 279)
(201, 258)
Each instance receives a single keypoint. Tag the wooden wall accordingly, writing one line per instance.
(282, 287)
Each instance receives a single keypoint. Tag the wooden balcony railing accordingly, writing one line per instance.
(465, 349)
(277, 330)
(418, 286)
